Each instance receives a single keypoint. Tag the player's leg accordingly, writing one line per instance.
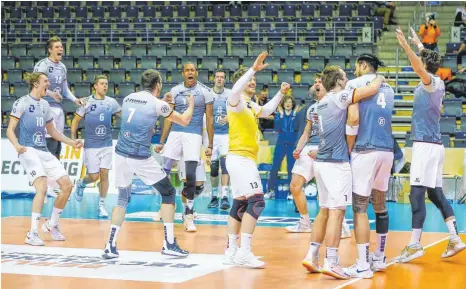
(32, 237)
(172, 151)
(53, 145)
(225, 203)
(278, 156)
(92, 162)
(103, 190)
(290, 161)
(214, 170)
(238, 208)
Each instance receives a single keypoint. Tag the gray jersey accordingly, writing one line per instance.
(202, 96)
(97, 115)
(425, 123)
(139, 113)
(220, 110)
(313, 117)
(332, 110)
(375, 116)
(56, 72)
(33, 115)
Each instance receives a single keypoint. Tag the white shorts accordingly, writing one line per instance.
(220, 149)
(148, 170)
(39, 163)
(58, 118)
(371, 170)
(427, 165)
(304, 166)
(200, 171)
(181, 144)
(244, 176)
(334, 184)
(97, 158)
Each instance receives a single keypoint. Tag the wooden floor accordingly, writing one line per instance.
(282, 252)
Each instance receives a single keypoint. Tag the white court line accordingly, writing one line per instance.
(389, 264)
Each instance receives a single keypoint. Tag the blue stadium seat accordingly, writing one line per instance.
(324, 49)
(345, 10)
(8, 62)
(74, 75)
(245, 23)
(345, 50)
(37, 24)
(168, 62)
(116, 50)
(20, 89)
(47, 13)
(450, 62)
(176, 76)
(135, 75)
(122, 23)
(271, 10)
(114, 12)
(378, 22)
(265, 23)
(55, 24)
(92, 73)
(5, 94)
(264, 76)
(148, 11)
(293, 62)
(358, 22)
(326, 10)
(150, 62)
(14, 75)
(282, 23)
(183, 11)
(448, 124)
(228, 23)
(307, 76)
(105, 23)
(274, 62)
(18, 50)
(337, 60)
(350, 35)
(257, 48)
(199, 49)
(193, 23)
(125, 89)
(319, 22)
(289, 10)
(68, 61)
(312, 35)
(88, 24)
(273, 36)
(453, 107)
(132, 12)
(201, 11)
(174, 23)
(203, 76)
(210, 63)
(211, 23)
(340, 22)
(218, 10)
(285, 75)
(236, 11)
(230, 63)
(83, 89)
(31, 12)
(95, 50)
(280, 49)
(64, 12)
(248, 61)
(19, 24)
(124, 3)
(97, 11)
(301, 49)
(239, 49)
(16, 12)
(364, 10)
(26, 63)
(71, 24)
(308, 10)
(361, 48)
(218, 49)
(190, 59)
(157, 49)
(156, 23)
(37, 50)
(301, 90)
(330, 35)
(167, 11)
(75, 3)
(105, 62)
(317, 62)
(117, 75)
(178, 49)
(451, 47)
(254, 10)
(140, 24)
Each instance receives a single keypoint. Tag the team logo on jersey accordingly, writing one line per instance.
(343, 97)
(38, 138)
(381, 121)
(165, 108)
(127, 134)
(101, 130)
(50, 69)
(93, 107)
(32, 108)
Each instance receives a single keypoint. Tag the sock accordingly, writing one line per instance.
(305, 219)
(451, 225)
(415, 236)
(55, 216)
(190, 204)
(380, 247)
(84, 182)
(363, 255)
(232, 241)
(35, 219)
(246, 241)
(215, 192)
(114, 229)
(224, 191)
(345, 223)
(169, 232)
(314, 250)
(332, 255)
(101, 201)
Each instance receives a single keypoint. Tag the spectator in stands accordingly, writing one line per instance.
(266, 122)
(460, 18)
(387, 10)
(429, 33)
(287, 136)
(461, 52)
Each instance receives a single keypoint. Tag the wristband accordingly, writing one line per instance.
(352, 130)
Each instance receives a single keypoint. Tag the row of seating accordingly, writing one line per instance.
(459, 140)
(167, 11)
(118, 50)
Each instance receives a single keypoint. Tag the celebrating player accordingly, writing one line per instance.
(34, 116)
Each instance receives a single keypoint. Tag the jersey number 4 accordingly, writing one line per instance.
(381, 100)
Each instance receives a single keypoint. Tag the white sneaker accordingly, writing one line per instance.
(102, 212)
(356, 271)
(289, 197)
(229, 256)
(311, 265)
(334, 270)
(33, 239)
(269, 195)
(299, 227)
(53, 230)
(110, 252)
(377, 263)
(410, 252)
(189, 223)
(455, 245)
(247, 259)
(345, 231)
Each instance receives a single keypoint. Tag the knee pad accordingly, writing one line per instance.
(256, 206)
(166, 190)
(238, 208)
(360, 204)
(378, 201)
(124, 196)
(381, 223)
(214, 166)
(440, 201)
(190, 189)
(418, 206)
(223, 165)
(168, 164)
(199, 190)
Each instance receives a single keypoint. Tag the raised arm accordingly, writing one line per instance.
(368, 90)
(271, 106)
(182, 119)
(57, 135)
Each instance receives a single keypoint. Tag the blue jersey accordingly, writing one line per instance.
(139, 113)
(33, 114)
(313, 117)
(56, 73)
(332, 110)
(375, 117)
(425, 123)
(97, 115)
(220, 110)
(202, 96)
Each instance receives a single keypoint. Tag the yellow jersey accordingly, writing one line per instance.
(244, 131)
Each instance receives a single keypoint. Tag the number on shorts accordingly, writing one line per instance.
(254, 185)
(131, 113)
(33, 173)
(102, 117)
(39, 121)
(381, 100)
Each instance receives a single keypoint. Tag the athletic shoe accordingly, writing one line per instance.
(455, 245)
(213, 203)
(102, 212)
(411, 252)
(189, 223)
(173, 249)
(110, 252)
(270, 195)
(345, 231)
(311, 265)
(33, 239)
(356, 271)
(53, 230)
(299, 227)
(377, 263)
(229, 256)
(334, 270)
(289, 197)
(225, 204)
(79, 190)
(247, 259)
